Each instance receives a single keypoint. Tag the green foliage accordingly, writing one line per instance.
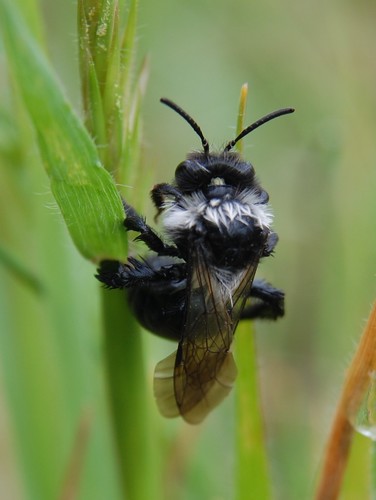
(78, 416)
(85, 192)
(251, 453)
(91, 206)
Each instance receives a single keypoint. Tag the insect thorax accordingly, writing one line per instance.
(231, 224)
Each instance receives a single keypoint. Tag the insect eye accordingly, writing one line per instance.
(191, 175)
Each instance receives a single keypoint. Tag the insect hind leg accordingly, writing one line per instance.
(265, 302)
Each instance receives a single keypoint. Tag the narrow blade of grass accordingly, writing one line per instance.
(252, 475)
(252, 478)
(128, 49)
(131, 150)
(241, 114)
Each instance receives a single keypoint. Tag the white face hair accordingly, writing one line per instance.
(185, 214)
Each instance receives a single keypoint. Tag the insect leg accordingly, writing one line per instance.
(162, 191)
(265, 302)
(136, 273)
(270, 244)
(156, 291)
(134, 222)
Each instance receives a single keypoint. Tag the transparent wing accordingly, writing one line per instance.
(196, 378)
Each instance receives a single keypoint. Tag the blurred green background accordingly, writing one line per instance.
(319, 167)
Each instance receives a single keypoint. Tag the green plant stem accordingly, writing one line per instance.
(252, 477)
(252, 472)
(128, 397)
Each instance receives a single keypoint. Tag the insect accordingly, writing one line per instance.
(195, 288)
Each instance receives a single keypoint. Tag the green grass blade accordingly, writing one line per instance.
(85, 192)
(112, 102)
(131, 150)
(102, 55)
(252, 478)
(241, 114)
(119, 98)
(128, 49)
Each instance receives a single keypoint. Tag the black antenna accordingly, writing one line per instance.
(257, 124)
(190, 120)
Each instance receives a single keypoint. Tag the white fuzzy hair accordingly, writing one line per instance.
(185, 214)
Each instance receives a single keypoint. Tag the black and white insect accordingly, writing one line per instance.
(195, 288)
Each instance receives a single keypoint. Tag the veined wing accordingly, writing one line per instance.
(197, 377)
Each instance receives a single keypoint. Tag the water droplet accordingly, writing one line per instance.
(365, 420)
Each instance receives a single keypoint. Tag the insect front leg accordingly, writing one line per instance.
(137, 273)
(265, 302)
(134, 222)
(115, 274)
(270, 244)
(156, 291)
(163, 191)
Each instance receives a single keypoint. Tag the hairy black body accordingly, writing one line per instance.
(197, 287)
